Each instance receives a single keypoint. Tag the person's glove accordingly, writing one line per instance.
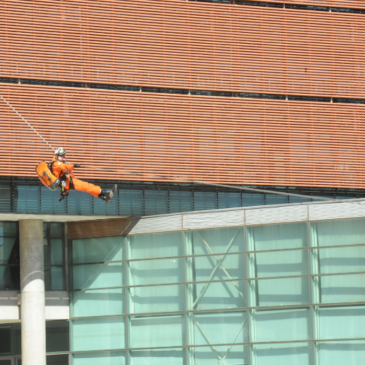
(77, 165)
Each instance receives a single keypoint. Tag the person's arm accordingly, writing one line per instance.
(60, 168)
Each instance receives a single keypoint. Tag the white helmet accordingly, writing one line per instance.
(60, 152)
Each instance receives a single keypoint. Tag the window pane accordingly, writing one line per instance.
(56, 251)
(209, 355)
(277, 236)
(130, 202)
(181, 201)
(7, 250)
(280, 354)
(98, 276)
(57, 278)
(249, 200)
(229, 200)
(57, 360)
(104, 333)
(10, 277)
(344, 322)
(149, 299)
(155, 245)
(57, 336)
(155, 271)
(222, 240)
(276, 199)
(210, 268)
(158, 357)
(97, 250)
(340, 232)
(216, 295)
(5, 362)
(157, 331)
(337, 353)
(56, 230)
(282, 263)
(9, 229)
(341, 259)
(342, 288)
(100, 358)
(5, 340)
(217, 328)
(275, 292)
(100, 302)
(280, 325)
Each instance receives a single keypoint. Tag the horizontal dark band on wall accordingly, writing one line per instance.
(286, 5)
(180, 91)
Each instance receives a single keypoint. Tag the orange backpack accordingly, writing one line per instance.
(44, 171)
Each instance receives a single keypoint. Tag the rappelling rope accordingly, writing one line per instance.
(26, 121)
(180, 179)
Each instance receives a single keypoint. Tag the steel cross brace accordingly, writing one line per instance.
(219, 265)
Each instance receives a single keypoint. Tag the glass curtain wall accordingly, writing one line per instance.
(261, 295)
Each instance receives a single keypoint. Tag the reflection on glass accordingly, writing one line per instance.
(158, 357)
(56, 251)
(100, 358)
(5, 340)
(161, 331)
(217, 267)
(104, 333)
(57, 360)
(216, 295)
(342, 288)
(57, 336)
(97, 250)
(211, 241)
(339, 353)
(151, 245)
(282, 263)
(211, 355)
(277, 236)
(343, 322)
(280, 325)
(285, 353)
(98, 276)
(57, 278)
(155, 271)
(99, 302)
(217, 328)
(341, 259)
(149, 299)
(279, 292)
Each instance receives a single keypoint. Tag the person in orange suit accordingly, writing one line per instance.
(63, 170)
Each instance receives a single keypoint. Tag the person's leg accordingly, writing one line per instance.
(80, 185)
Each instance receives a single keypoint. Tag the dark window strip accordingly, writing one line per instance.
(285, 5)
(181, 91)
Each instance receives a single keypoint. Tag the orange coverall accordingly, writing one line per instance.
(59, 168)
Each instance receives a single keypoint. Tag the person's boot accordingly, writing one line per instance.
(107, 194)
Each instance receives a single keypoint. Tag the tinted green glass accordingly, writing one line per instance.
(223, 240)
(104, 333)
(155, 271)
(100, 302)
(339, 353)
(91, 276)
(339, 232)
(217, 328)
(344, 322)
(100, 358)
(5, 340)
(9, 229)
(57, 278)
(155, 245)
(216, 295)
(283, 353)
(342, 288)
(277, 236)
(281, 263)
(57, 360)
(217, 267)
(57, 336)
(159, 331)
(149, 299)
(280, 325)
(56, 251)
(279, 292)
(207, 355)
(97, 250)
(56, 230)
(7, 249)
(158, 357)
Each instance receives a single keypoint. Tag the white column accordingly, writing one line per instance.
(32, 310)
